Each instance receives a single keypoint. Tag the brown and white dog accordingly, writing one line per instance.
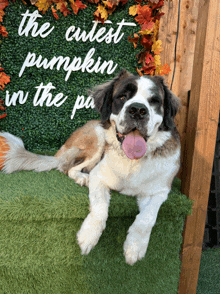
(134, 149)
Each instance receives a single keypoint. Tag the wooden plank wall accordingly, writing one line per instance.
(184, 54)
(201, 134)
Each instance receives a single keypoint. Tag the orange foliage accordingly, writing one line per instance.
(4, 148)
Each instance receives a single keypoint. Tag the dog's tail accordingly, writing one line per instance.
(17, 158)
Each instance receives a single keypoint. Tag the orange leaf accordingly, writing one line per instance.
(80, 5)
(1, 15)
(76, 5)
(165, 69)
(144, 14)
(4, 79)
(139, 72)
(3, 31)
(64, 9)
(54, 12)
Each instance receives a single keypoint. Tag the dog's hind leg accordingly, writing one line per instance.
(80, 172)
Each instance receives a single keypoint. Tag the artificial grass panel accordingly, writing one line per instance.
(209, 272)
(40, 214)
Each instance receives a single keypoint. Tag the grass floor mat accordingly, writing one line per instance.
(40, 214)
(209, 272)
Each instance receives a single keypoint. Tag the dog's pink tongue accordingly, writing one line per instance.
(134, 145)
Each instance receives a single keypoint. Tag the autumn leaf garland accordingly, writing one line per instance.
(4, 79)
(148, 16)
(146, 13)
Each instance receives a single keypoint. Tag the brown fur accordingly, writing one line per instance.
(169, 146)
(85, 140)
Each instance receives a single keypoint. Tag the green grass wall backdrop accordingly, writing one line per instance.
(47, 128)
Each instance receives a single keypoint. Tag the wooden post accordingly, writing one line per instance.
(201, 133)
(184, 53)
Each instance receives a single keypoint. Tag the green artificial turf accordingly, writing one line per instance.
(209, 272)
(40, 214)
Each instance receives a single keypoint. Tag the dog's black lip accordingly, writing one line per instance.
(121, 137)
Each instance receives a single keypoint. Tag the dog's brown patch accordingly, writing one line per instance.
(169, 146)
(85, 140)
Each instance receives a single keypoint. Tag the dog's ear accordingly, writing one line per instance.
(171, 104)
(103, 95)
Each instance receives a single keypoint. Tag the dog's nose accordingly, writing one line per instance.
(137, 111)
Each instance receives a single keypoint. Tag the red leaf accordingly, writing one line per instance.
(149, 58)
(158, 16)
(3, 4)
(3, 115)
(98, 18)
(157, 5)
(94, 1)
(146, 41)
(148, 69)
(64, 10)
(147, 26)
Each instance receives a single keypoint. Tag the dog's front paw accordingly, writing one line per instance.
(135, 247)
(89, 234)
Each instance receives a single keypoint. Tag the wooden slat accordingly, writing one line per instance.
(185, 52)
(200, 138)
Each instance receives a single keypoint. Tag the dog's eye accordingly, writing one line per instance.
(154, 100)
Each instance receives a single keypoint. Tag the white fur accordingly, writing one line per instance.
(18, 158)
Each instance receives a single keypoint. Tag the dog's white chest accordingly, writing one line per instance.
(136, 177)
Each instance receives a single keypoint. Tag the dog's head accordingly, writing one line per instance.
(139, 106)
